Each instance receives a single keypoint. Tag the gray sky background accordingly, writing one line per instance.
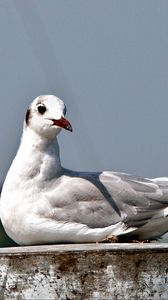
(108, 61)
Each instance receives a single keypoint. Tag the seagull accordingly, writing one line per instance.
(43, 202)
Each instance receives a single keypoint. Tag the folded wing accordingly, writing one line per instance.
(103, 199)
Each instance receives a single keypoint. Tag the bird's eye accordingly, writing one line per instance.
(41, 109)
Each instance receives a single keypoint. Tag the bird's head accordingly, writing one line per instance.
(46, 116)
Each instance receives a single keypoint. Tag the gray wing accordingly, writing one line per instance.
(140, 199)
(103, 199)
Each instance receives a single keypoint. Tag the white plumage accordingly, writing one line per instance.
(42, 202)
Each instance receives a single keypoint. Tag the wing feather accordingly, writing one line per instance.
(103, 199)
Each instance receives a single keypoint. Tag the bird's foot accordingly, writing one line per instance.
(111, 239)
(118, 239)
(129, 240)
(140, 242)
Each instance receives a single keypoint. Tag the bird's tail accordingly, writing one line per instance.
(161, 181)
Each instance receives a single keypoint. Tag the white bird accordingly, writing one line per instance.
(42, 202)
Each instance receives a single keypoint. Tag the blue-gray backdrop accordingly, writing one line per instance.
(108, 60)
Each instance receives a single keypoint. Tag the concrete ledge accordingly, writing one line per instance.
(85, 271)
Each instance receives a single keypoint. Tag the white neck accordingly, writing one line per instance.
(37, 158)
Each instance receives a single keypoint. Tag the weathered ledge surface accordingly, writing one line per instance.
(85, 271)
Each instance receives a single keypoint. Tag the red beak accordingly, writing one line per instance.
(63, 123)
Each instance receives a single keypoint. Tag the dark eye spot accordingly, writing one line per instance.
(41, 109)
(65, 110)
(27, 117)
